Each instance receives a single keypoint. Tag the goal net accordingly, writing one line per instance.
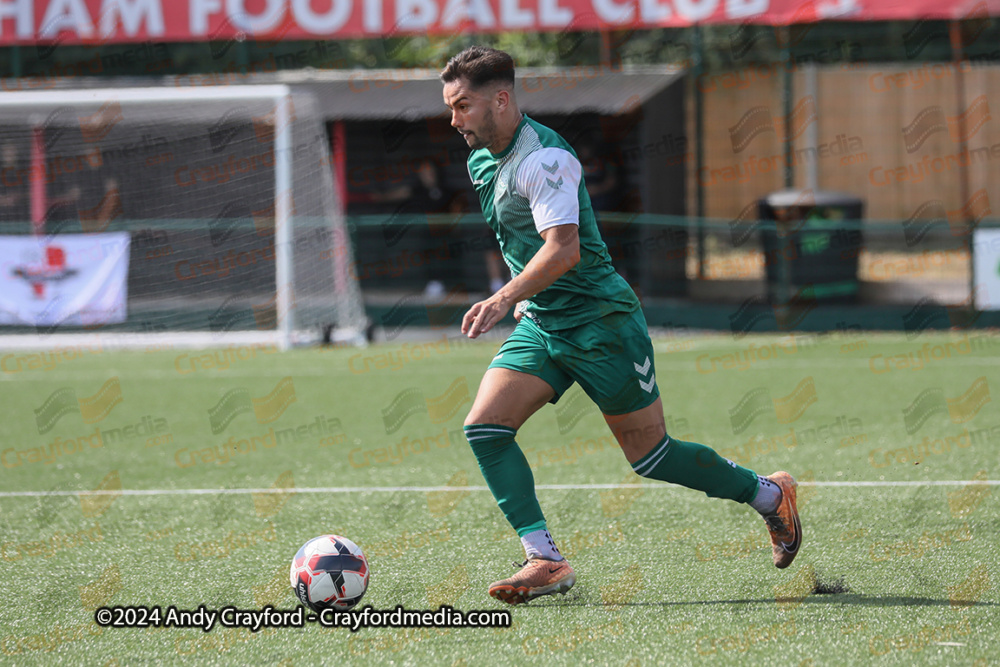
(220, 203)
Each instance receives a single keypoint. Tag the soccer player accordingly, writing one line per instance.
(577, 321)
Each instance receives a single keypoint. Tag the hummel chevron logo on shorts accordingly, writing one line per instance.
(643, 370)
(551, 168)
(555, 185)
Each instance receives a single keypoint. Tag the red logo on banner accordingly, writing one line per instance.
(52, 268)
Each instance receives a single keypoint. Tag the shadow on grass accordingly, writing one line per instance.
(854, 599)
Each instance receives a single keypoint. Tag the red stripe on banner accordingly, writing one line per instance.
(38, 180)
(103, 21)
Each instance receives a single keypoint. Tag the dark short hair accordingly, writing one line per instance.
(480, 65)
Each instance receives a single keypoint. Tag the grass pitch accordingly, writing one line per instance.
(894, 574)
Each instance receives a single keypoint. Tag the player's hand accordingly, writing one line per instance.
(518, 313)
(484, 315)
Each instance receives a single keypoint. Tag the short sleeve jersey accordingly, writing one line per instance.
(533, 185)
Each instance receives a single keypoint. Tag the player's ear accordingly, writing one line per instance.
(502, 99)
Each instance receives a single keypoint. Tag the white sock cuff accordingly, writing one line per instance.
(539, 543)
(768, 496)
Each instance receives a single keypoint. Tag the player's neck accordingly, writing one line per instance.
(503, 139)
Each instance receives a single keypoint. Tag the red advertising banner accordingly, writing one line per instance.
(114, 21)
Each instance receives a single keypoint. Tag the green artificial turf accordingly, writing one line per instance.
(887, 574)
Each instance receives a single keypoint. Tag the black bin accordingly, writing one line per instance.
(813, 252)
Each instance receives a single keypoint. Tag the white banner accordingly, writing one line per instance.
(70, 279)
(986, 268)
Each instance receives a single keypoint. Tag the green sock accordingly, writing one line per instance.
(698, 467)
(507, 474)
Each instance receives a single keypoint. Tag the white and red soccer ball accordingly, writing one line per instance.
(329, 572)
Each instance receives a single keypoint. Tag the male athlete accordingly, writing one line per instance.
(577, 321)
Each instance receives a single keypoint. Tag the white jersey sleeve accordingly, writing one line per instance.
(549, 179)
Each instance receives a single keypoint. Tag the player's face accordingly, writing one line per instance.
(471, 113)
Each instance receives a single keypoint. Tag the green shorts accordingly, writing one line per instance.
(611, 358)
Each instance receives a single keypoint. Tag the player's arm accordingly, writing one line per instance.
(549, 179)
(559, 254)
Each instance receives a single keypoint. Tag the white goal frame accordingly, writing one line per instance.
(284, 335)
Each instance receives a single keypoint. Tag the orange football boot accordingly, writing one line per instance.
(537, 577)
(784, 526)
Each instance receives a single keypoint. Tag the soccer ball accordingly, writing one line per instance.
(329, 572)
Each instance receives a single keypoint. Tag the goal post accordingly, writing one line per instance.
(228, 197)
(282, 215)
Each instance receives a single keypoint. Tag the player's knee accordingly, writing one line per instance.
(480, 417)
(487, 439)
(641, 440)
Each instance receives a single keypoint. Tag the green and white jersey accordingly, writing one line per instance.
(536, 184)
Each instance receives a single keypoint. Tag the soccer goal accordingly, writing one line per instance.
(183, 216)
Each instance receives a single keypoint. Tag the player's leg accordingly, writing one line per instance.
(520, 380)
(654, 454)
(505, 400)
(622, 382)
